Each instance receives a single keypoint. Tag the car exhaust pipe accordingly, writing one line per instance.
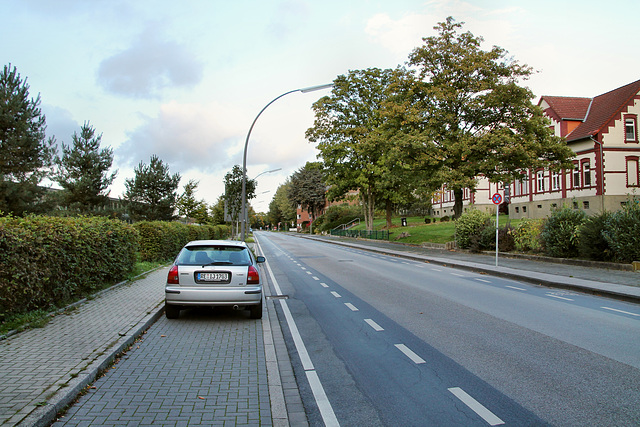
(236, 307)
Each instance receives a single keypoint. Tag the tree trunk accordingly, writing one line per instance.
(457, 204)
(389, 209)
(369, 208)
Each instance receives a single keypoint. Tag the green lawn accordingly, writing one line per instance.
(419, 232)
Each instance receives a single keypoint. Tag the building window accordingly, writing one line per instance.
(586, 174)
(575, 205)
(555, 181)
(576, 176)
(525, 185)
(540, 182)
(630, 128)
(524, 209)
(517, 209)
(585, 205)
(632, 172)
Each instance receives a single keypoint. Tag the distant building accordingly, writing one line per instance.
(603, 133)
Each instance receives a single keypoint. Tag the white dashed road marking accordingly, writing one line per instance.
(374, 325)
(476, 406)
(410, 354)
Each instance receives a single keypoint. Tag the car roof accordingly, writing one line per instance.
(217, 243)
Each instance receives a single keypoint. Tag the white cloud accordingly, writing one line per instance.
(186, 136)
(148, 67)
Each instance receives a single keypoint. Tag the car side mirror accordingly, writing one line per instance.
(260, 259)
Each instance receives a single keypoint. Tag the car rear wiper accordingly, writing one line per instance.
(219, 263)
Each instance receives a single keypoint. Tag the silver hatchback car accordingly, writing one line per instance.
(214, 273)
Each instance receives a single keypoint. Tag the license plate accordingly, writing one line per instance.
(212, 277)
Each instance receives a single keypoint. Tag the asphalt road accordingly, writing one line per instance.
(397, 342)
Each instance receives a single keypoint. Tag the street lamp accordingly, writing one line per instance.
(246, 144)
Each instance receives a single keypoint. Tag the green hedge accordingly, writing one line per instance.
(48, 261)
(161, 241)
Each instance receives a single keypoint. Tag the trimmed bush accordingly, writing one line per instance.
(622, 232)
(560, 232)
(470, 224)
(46, 262)
(591, 241)
(526, 235)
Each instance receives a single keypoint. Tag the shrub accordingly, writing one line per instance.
(445, 218)
(427, 220)
(470, 224)
(48, 261)
(622, 232)
(592, 243)
(336, 216)
(560, 232)
(526, 235)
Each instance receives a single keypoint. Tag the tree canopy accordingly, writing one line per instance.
(348, 130)
(82, 171)
(472, 116)
(152, 193)
(308, 189)
(25, 152)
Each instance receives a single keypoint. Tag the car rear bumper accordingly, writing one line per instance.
(246, 295)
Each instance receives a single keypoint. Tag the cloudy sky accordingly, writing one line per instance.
(185, 80)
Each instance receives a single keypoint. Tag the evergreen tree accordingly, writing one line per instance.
(189, 207)
(25, 152)
(152, 193)
(82, 171)
(308, 189)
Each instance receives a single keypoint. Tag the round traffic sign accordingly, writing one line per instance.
(496, 198)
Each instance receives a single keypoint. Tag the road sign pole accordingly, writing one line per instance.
(497, 228)
(497, 199)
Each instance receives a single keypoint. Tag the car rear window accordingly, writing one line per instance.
(214, 255)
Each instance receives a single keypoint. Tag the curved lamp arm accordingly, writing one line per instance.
(246, 145)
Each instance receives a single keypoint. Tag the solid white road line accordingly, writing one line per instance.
(410, 354)
(374, 325)
(326, 410)
(482, 280)
(476, 406)
(621, 311)
(515, 287)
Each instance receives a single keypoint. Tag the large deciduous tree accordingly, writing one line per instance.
(82, 171)
(308, 189)
(152, 193)
(472, 115)
(281, 210)
(25, 152)
(349, 132)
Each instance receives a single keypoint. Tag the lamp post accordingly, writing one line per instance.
(246, 144)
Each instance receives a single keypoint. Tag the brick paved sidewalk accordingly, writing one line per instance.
(42, 370)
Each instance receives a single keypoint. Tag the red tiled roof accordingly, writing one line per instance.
(605, 108)
(567, 108)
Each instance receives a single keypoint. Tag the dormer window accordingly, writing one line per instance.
(630, 128)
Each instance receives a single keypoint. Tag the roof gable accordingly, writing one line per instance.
(566, 108)
(604, 109)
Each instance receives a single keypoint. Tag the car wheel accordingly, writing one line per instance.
(171, 311)
(255, 312)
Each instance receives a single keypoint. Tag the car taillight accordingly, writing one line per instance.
(172, 278)
(253, 278)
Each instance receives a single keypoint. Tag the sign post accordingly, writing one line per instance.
(497, 199)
